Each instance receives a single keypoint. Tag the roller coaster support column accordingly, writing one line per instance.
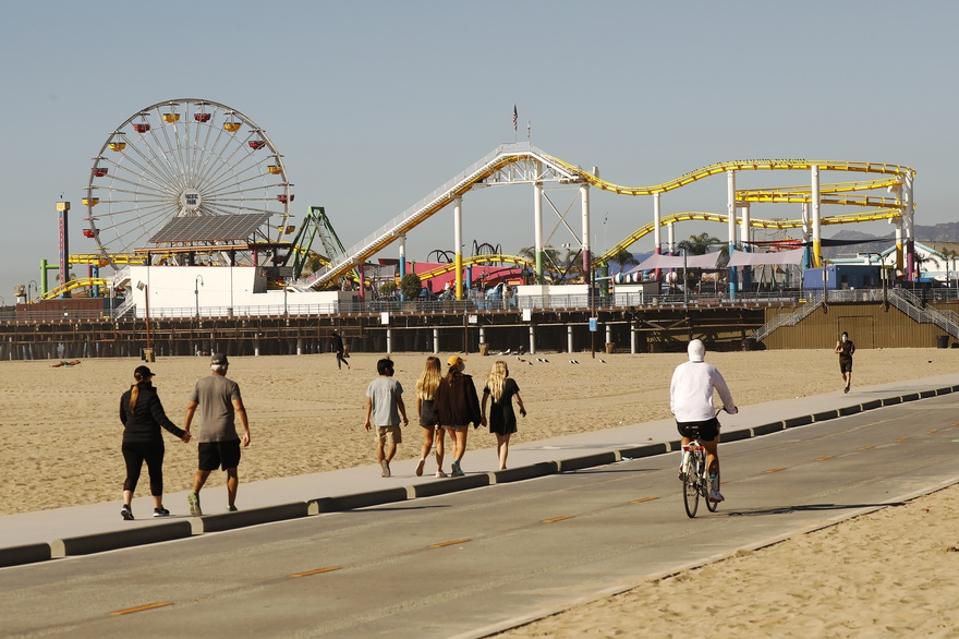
(587, 258)
(458, 244)
(807, 252)
(657, 211)
(899, 261)
(744, 240)
(907, 194)
(731, 223)
(816, 229)
(402, 263)
(670, 238)
(538, 223)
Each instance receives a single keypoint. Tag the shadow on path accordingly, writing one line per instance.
(785, 510)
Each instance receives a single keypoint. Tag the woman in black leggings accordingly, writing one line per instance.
(142, 416)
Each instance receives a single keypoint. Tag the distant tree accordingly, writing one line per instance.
(624, 258)
(410, 284)
(389, 288)
(699, 245)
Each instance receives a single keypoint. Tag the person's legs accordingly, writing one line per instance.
(425, 449)
(712, 464)
(232, 484)
(133, 460)
(459, 449)
(440, 450)
(154, 460)
(502, 449)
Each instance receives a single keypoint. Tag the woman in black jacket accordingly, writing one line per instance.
(457, 406)
(142, 416)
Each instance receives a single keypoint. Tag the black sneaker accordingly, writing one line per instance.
(232, 508)
(126, 513)
(161, 512)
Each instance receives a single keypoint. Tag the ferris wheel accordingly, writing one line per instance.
(183, 158)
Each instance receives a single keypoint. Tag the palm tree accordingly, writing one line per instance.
(623, 258)
(699, 245)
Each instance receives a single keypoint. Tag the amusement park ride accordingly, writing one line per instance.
(190, 183)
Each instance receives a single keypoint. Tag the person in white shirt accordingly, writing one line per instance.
(691, 403)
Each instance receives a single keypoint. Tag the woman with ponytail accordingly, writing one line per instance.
(142, 415)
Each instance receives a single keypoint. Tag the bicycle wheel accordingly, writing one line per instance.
(710, 504)
(691, 491)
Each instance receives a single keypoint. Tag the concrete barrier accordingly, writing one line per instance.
(876, 403)
(643, 451)
(927, 394)
(520, 473)
(356, 500)
(825, 415)
(100, 542)
(736, 435)
(766, 429)
(587, 461)
(792, 422)
(26, 554)
(452, 485)
(955, 389)
(252, 517)
(945, 390)
(850, 410)
(891, 401)
(911, 397)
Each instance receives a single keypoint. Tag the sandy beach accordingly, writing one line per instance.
(892, 573)
(61, 433)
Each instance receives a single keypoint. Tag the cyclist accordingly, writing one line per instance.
(691, 402)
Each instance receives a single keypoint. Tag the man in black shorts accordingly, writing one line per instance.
(218, 398)
(340, 350)
(691, 402)
(845, 348)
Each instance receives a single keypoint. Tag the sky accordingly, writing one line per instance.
(375, 104)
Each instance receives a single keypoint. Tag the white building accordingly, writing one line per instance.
(933, 263)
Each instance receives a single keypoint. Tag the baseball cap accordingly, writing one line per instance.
(219, 359)
(142, 372)
(454, 359)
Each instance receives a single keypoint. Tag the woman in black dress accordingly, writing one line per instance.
(501, 389)
(426, 387)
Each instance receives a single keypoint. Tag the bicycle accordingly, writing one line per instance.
(695, 477)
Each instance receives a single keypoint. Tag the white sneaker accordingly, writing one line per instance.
(716, 496)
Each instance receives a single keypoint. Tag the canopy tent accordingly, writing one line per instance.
(707, 261)
(739, 258)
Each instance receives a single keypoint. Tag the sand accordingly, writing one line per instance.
(892, 573)
(61, 434)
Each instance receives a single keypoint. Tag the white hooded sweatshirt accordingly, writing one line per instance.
(692, 386)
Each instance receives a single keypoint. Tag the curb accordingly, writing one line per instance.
(100, 542)
(87, 544)
(252, 517)
(28, 554)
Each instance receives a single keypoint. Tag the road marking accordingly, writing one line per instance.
(932, 430)
(153, 605)
(824, 458)
(451, 542)
(775, 470)
(901, 440)
(316, 571)
(867, 447)
(643, 500)
(557, 518)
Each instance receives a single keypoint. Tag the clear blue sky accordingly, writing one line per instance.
(374, 104)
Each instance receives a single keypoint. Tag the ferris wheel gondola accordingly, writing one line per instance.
(184, 158)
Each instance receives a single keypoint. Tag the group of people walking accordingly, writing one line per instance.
(218, 400)
(445, 405)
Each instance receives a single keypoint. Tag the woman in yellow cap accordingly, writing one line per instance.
(457, 406)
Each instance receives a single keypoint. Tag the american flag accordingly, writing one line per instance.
(515, 118)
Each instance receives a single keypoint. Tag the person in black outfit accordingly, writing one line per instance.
(141, 414)
(501, 388)
(845, 348)
(457, 406)
(340, 351)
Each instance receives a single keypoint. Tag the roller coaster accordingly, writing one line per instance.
(525, 163)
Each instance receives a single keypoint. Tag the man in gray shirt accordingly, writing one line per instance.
(219, 401)
(384, 405)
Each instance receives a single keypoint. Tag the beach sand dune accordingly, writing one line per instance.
(61, 433)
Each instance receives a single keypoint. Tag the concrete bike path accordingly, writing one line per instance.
(36, 536)
(474, 562)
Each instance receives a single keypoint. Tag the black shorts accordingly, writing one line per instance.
(845, 365)
(705, 431)
(223, 455)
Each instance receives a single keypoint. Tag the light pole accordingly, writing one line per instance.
(32, 283)
(197, 283)
(143, 286)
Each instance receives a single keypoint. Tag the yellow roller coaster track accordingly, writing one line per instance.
(705, 216)
(72, 285)
(738, 165)
(476, 259)
(825, 189)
